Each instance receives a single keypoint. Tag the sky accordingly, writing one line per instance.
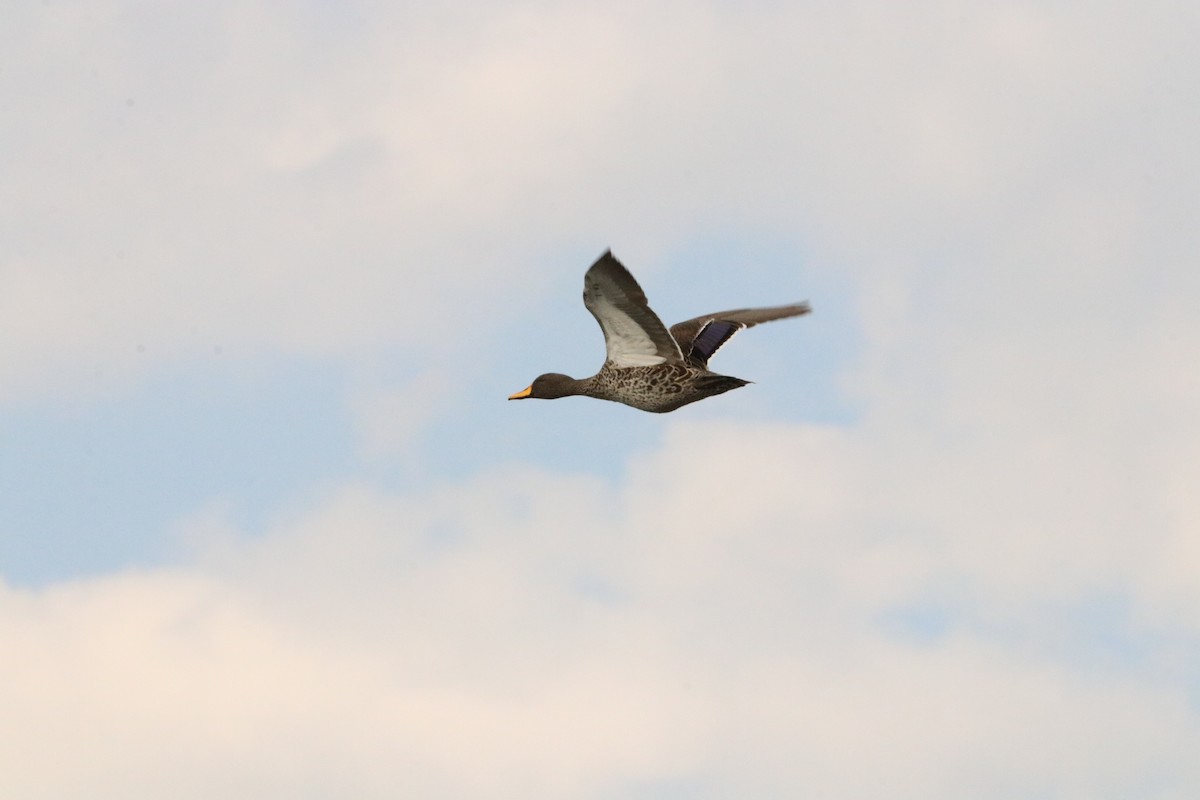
(270, 529)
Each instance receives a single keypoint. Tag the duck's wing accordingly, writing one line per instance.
(701, 337)
(633, 334)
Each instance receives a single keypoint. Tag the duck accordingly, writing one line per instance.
(648, 366)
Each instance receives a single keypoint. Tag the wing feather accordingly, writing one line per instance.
(634, 336)
(701, 337)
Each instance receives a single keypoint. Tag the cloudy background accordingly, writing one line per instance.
(269, 529)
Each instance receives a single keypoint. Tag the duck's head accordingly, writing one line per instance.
(550, 386)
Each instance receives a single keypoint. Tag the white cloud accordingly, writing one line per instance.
(268, 182)
(713, 619)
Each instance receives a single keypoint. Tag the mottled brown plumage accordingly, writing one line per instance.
(648, 366)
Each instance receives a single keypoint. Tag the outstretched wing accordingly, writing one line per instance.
(701, 337)
(633, 334)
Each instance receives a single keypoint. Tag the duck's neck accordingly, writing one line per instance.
(587, 387)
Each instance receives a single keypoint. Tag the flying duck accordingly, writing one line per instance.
(648, 366)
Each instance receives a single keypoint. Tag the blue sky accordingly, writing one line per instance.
(269, 528)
